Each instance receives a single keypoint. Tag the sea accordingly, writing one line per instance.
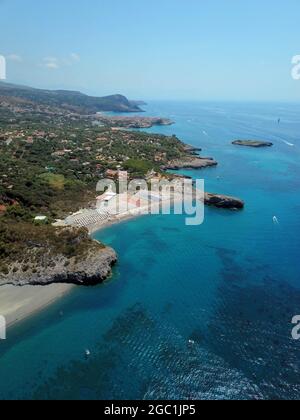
(191, 312)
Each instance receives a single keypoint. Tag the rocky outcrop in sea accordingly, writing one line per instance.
(191, 163)
(252, 143)
(223, 201)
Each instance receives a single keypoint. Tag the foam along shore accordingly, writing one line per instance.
(19, 303)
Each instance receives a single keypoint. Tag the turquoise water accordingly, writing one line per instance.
(231, 285)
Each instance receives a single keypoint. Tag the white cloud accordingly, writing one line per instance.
(51, 63)
(55, 63)
(14, 57)
(54, 59)
(75, 57)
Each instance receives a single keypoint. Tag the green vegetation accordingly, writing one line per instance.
(71, 101)
(50, 163)
(25, 244)
(52, 167)
(54, 181)
(138, 167)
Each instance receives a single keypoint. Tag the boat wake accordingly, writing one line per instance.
(288, 143)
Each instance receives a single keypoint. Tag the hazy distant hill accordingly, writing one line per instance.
(69, 99)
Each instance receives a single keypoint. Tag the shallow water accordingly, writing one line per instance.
(231, 285)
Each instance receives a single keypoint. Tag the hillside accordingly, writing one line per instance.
(68, 100)
(49, 167)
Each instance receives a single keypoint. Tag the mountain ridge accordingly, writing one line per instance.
(69, 99)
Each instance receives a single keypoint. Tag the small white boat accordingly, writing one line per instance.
(275, 220)
(192, 342)
(87, 353)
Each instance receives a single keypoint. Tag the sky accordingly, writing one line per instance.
(160, 49)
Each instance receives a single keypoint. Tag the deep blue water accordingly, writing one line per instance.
(232, 285)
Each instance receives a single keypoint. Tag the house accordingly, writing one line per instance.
(50, 169)
(105, 198)
(134, 201)
(122, 175)
(41, 219)
(29, 140)
(110, 173)
(59, 153)
(160, 157)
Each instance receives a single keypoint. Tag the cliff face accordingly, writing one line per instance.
(191, 163)
(93, 269)
(43, 255)
(223, 201)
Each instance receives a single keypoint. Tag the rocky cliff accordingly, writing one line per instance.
(223, 201)
(94, 269)
(49, 255)
(191, 163)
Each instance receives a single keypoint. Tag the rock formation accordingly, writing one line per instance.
(92, 269)
(191, 163)
(223, 201)
(252, 143)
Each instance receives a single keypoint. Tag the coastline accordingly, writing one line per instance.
(19, 303)
(96, 227)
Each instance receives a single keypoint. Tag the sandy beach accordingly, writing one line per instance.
(113, 221)
(19, 303)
